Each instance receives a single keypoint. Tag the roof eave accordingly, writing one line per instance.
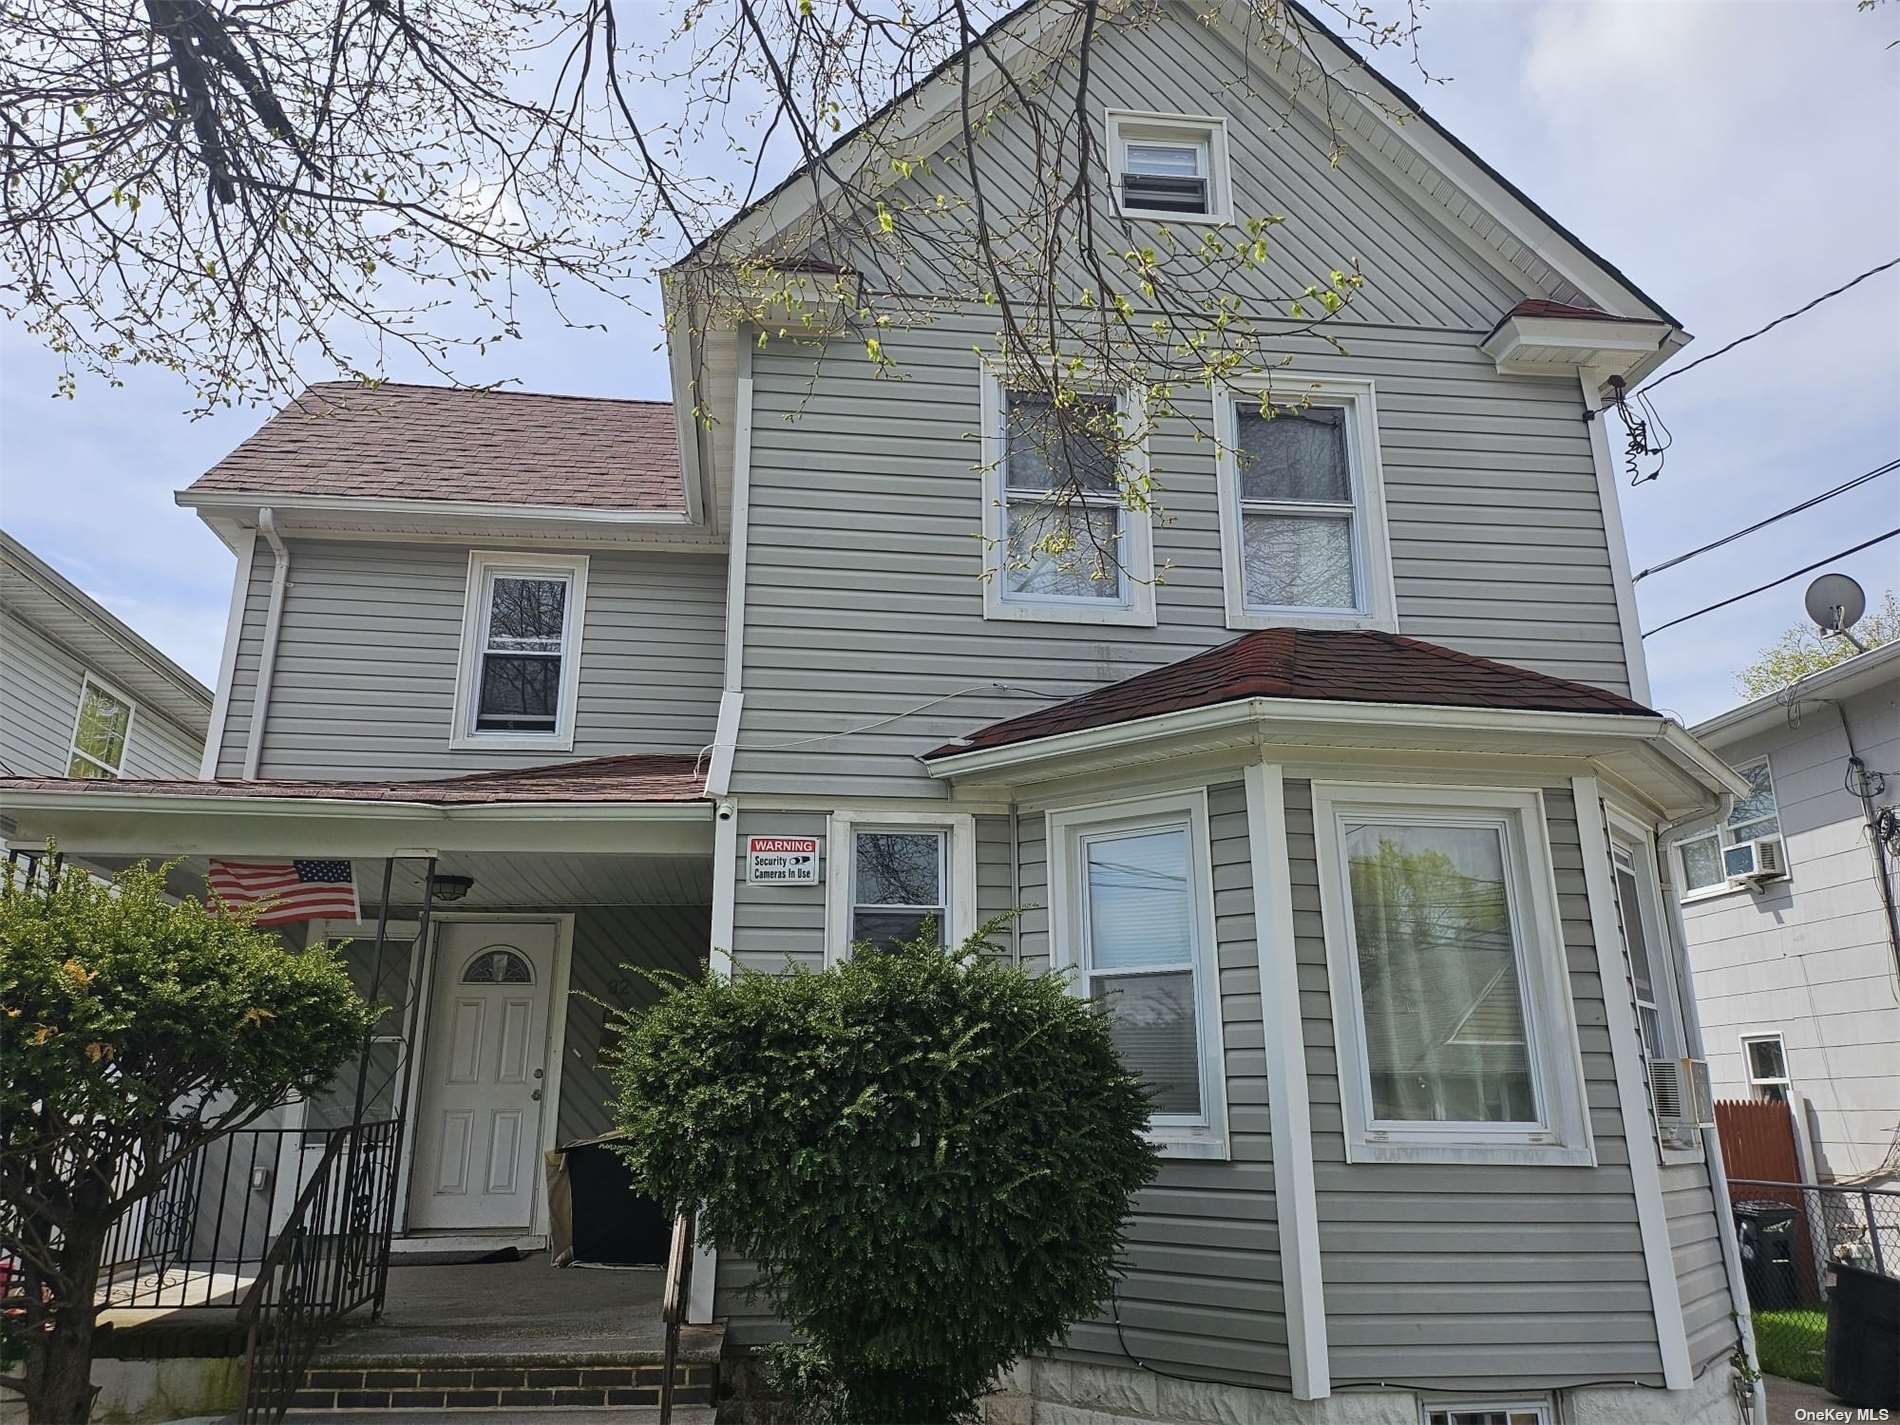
(1682, 777)
(1846, 678)
(221, 509)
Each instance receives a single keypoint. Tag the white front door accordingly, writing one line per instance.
(478, 1116)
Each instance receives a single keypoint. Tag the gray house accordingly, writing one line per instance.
(1362, 849)
(1793, 952)
(83, 695)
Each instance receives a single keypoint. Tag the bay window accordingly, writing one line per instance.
(1131, 905)
(1456, 1042)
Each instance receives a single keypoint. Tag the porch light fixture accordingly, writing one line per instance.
(452, 888)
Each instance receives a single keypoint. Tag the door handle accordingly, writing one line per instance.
(537, 1095)
(538, 1073)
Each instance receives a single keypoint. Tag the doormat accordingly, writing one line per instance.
(473, 1257)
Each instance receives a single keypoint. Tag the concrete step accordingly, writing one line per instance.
(649, 1415)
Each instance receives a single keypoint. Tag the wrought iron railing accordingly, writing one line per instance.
(1788, 1234)
(673, 1298)
(331, 1257)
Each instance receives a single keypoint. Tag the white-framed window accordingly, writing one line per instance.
(1450, 989)
(1131, 901)
(1655, 984)
(1302, 504)
(889, 872)
(1059, 540)
(521, 651)
(1702, 856)
(1765, 1061)
(1170, 167)
(1534, 1411)
(101, 729)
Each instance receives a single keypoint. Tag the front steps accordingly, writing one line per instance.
(513, 1383)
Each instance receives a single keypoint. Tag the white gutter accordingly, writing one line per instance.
(188, 804)
(1342, 717)
(209, 502)
(267, 659)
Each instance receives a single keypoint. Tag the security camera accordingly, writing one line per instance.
(725, 811)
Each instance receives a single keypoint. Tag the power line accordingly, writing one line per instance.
(1762, 588)
(1785, 317)
(1808, 504)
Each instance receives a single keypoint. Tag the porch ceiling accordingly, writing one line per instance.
(504, 880)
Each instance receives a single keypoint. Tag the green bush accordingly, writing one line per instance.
(929, 1155)
(134, 1029)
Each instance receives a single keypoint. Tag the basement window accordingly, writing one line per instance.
(1490, 1412)
(1169, 166)
(521, 635)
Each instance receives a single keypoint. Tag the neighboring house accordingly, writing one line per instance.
(1793, 947)
(83, 695)
(657, 688)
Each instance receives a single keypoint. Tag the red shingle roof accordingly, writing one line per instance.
(442, 443)
(1314, 664)
(639, 778)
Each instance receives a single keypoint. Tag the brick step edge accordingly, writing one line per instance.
(329, 1387)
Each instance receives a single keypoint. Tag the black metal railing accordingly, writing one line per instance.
(331, 1257)
(1789, 1234)
(673, 1299)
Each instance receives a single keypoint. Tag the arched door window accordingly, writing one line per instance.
(498, 965)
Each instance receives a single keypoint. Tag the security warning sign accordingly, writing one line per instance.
(782, 860)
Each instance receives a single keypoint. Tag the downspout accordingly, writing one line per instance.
(1015, 886)
(267, 658)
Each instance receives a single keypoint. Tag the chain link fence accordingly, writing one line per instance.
(1789, 1234)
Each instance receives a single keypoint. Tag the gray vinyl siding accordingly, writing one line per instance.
(994, 889)
(364, 682)
(1476, 1277)
(1498, 547)
(39, 702)
(1174, 61)
(1701, 1275)
(1202, 1292)
(612, 945)
(775, 928)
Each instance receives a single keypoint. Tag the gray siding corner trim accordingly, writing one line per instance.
(1632, 1088)
(1289, 1109)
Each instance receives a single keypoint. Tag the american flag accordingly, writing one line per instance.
(285, 891)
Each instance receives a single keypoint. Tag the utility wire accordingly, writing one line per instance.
(1762, 588)
(1785, 317)
(1808, 504)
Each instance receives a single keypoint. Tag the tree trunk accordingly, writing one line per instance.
(59, 1353)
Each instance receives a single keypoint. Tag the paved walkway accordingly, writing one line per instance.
(1786, 1397)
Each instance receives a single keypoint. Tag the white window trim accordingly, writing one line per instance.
(482, 565)
(1136, 554)
(1538, 1403)
(1372, 540)
(1665, 960)
(1178, 1138)
(841, 867)
(1720, 833)
(1786, 1081)
(1563, 1134)
(1204, 128)
(86, 682)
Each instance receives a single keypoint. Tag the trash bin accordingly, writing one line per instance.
(1863, 1336)
(595, 1216)
(1765, 1234)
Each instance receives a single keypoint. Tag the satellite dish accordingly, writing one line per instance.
(1835, 602)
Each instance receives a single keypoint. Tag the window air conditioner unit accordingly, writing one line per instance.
(1680, 1091)
(1749, 863)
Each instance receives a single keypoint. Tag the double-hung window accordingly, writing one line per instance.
(1060, 540)
(387, 985)
(1302, 505)
(1455, 1035)
(899, 884)
(1132, 918)
(100, 732)
(1170, 167)
(1704, 856)
(521, 636)
(1653, 982)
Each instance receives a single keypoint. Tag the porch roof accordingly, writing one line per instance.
(632, 778)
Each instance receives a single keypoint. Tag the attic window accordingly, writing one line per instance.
(1169, 166)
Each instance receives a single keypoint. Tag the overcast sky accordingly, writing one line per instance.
(1735, 159)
